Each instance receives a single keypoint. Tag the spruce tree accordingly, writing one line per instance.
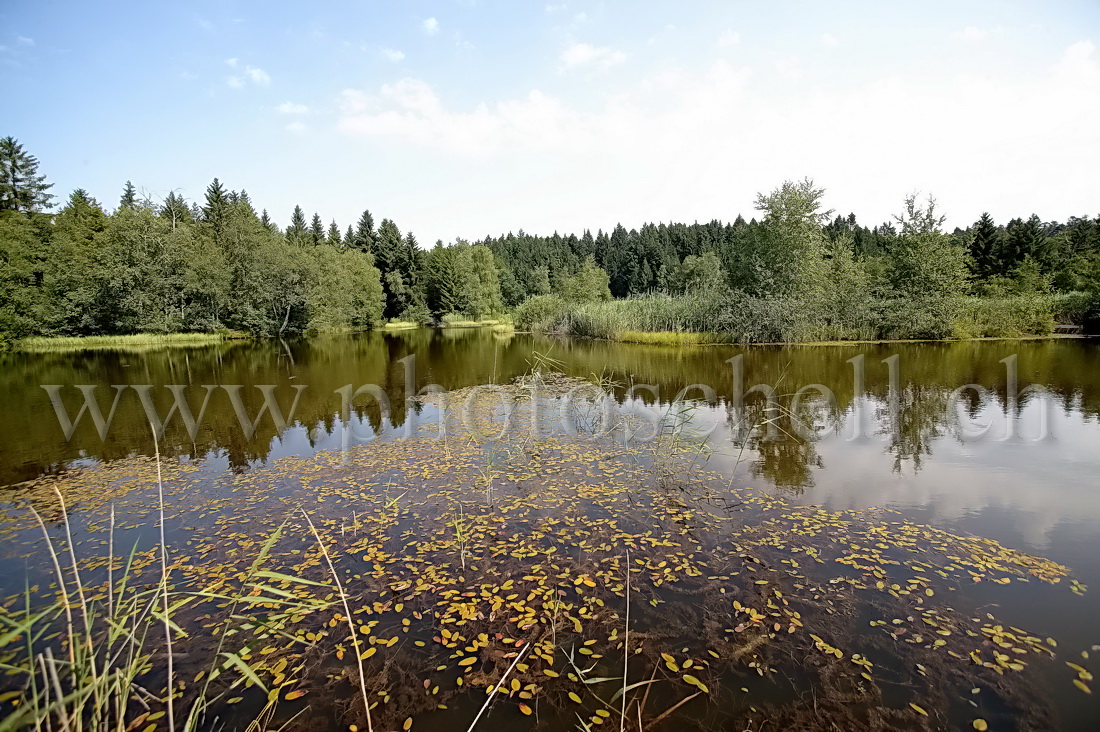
(365, 236)
(129, 196)
(296, 232)
(21, 187)
(985, 245)
(216, 206)
(175, 210)
(1024, 239)
(317, 230)
(334, 236)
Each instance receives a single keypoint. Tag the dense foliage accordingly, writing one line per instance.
(797, 274)
(794, 274)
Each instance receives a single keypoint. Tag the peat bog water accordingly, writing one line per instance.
(895, 453)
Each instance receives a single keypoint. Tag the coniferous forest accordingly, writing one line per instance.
(73, 266)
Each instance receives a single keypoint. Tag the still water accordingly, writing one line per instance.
(996, 439)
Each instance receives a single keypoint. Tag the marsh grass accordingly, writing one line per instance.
(47, 343)
(94, 659)
(400, 325)
(457, 320)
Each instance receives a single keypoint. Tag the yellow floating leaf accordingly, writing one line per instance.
(917, 709)
(696, 683)
(574, 697)
(525, 709)
(980, 725)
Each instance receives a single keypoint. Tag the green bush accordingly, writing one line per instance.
(1004, 317)
(542, 313)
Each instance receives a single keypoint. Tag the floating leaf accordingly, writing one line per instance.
(696, 683)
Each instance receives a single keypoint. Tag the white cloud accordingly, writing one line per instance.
(257, 76)
(292, 108)
(729, 38)
(580, 17)
(392, 55)
(296, 126)
(251, 74)
(430, 26)
(828, 39)
(701, 124)
(584, 54)
(24, 41)
(974, 34)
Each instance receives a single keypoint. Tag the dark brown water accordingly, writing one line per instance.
(890, 435)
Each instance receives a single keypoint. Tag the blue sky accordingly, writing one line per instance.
(463, 118)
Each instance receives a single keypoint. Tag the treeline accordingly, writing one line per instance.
(796, 272)
(655, 257)
(217, 264)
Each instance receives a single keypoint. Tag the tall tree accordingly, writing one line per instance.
(216, 206)
(985, 246)
(1024, 239)
(334, 237)
(296, 232)
(175, 210)
(317, 230)
(22, 188)
(364, 233)
(129, 196)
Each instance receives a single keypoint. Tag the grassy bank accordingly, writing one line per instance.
(400, 325)
(742, 319)
(457, 320)
(44, 343)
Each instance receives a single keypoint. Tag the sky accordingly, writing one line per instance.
(467, 118)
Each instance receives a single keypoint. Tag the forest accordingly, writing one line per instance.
(793, 272)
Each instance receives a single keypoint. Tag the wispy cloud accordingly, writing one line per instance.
(258, 76)
(248, 75)
(393, 55)
(828, 39)
(430, 26)
(296, 126)
(24, 41)
(584, 54)
(974, 34)
(292, 108)
(729, 38)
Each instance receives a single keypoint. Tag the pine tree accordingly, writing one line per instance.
(296, 232)
(349, 237)
(265, 219)
(364, 233)
(216, 206)
(21, 187)
(317, 230)
(129, 196)
(1023, 239)
(175, 210)
(985, 245)
(334, 236)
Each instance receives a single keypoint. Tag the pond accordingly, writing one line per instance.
(862, 536)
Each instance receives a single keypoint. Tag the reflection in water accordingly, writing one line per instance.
(887, 425)
(779, 411)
